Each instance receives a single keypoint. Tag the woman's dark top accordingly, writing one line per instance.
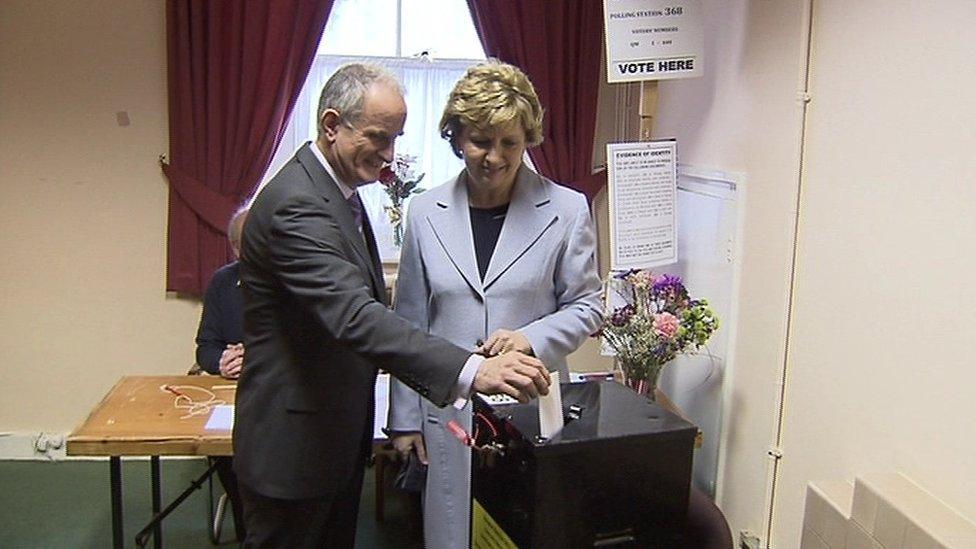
(486, 225)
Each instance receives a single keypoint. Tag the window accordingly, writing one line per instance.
(428, 44)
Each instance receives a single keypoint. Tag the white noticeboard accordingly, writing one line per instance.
(642, 180)
(653, 40)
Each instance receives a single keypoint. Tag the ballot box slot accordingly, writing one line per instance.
(615, 539)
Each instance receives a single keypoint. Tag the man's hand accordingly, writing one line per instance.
(231, 361)
(403, 443)
(514, 374)
(503, 341)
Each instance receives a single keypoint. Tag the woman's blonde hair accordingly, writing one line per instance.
(492, 94)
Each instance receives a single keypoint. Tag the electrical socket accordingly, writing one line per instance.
(45, 442)
(55, 441)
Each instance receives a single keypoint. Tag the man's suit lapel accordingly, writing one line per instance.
(451, 223)
(329, 190)
(527, 219)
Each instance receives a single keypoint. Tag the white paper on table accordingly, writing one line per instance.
(551, 409)
(221, 418)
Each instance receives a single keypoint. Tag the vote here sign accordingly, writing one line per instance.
(653, 40)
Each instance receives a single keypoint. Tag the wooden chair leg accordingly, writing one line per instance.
(379, 475)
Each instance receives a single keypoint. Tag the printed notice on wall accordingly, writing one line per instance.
(653, 40)
(643, 192)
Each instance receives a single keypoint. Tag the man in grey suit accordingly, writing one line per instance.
(317, 328)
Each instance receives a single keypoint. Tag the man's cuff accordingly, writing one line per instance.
(462, 390)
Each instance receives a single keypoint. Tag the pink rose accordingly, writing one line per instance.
(666, 324)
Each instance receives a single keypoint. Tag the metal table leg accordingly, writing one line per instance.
(115, 472)
(143, 536)
(156, 501)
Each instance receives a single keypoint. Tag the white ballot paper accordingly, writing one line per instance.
(381, 396)
(551, 409)
(221, 418)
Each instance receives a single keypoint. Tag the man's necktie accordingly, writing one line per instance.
(356, 207)
(362, 223)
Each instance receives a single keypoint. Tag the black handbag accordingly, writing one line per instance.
(412, 475)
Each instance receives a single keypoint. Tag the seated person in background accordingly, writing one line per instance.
(220, 350)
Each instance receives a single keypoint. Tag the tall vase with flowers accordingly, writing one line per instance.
(650, 319)
(400, 181)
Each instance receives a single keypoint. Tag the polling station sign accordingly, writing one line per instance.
(653, 40)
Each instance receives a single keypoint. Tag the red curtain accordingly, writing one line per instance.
(235, 69)
(557, 43)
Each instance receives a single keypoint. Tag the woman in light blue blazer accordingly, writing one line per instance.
(497, 259)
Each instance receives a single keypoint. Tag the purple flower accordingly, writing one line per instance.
(621, 316)
(668, 284)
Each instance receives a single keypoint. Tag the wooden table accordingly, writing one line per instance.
(140, 417)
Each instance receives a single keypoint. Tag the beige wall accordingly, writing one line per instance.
(879, 373)
(82, 208)
(743, 116)
(881, 365)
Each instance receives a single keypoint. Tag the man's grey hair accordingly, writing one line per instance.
(346, 89)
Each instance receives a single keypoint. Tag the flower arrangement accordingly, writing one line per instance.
(649, 320)
(400, 181)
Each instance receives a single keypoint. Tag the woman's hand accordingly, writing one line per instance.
(403, 443)
(505, 341)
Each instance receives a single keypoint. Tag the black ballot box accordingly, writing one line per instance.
(617, 475)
